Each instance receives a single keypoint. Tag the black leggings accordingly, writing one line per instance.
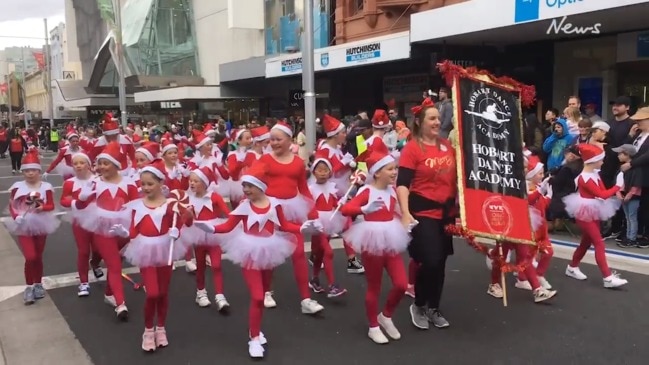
(429, 248)
(16, 157)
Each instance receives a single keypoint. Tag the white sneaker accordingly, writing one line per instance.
(523, 284)
(376, 335)
(575, 273)
(389, 327)
(614, 281)
(201, 298)
(190, 266)
(269, 302)
(255, 349)
(541, 294)
(544, 283)
(310, 306)
(110, 300)
(495, 291)
(221, 303)
(84, 290)
(122, 312)
(262, 338)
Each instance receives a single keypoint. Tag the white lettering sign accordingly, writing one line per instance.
(564, 27)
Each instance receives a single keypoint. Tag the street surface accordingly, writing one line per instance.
(584, 324)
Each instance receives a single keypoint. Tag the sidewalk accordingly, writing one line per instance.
(35, 335)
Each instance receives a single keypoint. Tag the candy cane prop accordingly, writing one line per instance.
(33, 201)
(178, 200)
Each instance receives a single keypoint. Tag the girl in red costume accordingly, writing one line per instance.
(236, 163)
(177, 174)
(325, 195)
(591, 204)
(153, 227)
(31, 206)
(204, 157)
(144, 156)
(287, 184)
(209, 208)
(260, 139)
(105, 200)
(63, 161)
(69, 199)
(110, 133)
(380, 238)
(263, 239)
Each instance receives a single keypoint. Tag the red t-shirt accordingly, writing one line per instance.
(3, 135)
(435, 176)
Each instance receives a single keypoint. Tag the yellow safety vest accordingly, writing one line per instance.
(54, 136)
(361, 147)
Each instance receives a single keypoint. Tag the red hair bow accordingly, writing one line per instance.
(424, 104)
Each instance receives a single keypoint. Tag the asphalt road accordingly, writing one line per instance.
(584, 324)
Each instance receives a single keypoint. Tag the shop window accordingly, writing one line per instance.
(356, 6)
(284, 22)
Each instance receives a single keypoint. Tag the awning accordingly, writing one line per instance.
(490, 22)
(74, 94)
(186, 93)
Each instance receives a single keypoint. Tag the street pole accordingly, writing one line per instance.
(308, 76)
(48, 74)
(10, 78)
(22, 54)
(120, 62)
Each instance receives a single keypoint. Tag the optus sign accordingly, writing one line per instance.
(529, 10)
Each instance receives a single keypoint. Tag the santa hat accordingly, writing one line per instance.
(157, 168)
(320, 160)
(110, 126)
(82, 155)
(282, 126)
(380, 119)
(113, 153)
(256, 175)
(150, 149)
(534, 166)
(260, 134)
(31, 161)
(166, 136)
(205, 174)
(130, 127)
(167, 145)
(590, 153)
(208, 129)
(376, 158)
(331, 125)
(201, 139)
(237, 133)
(71, 134)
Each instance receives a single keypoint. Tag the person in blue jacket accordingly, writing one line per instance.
(556, 144)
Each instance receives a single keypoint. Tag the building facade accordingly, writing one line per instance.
(36, 101)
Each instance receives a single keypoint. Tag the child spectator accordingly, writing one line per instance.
(555, 145)
(630, 195)
(584, 130)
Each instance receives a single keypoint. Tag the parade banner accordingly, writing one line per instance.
(491, 172)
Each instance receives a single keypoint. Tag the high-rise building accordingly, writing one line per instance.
(66, 64)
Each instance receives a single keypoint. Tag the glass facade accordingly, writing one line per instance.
(284, 21)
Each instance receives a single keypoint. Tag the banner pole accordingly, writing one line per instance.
(503, 279)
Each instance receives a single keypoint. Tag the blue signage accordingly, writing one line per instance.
(291, 65)
(361, 53)
(526, 10)
(643, 45)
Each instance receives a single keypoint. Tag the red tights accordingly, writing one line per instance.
(544, 259)
(84, 239)
(201, 252)
(523, 256)
(258, 282)
(322, 253)
(108, 248)
(590, 235)
(301, 268)
(156, 280)
(374, 266)
(33, 247)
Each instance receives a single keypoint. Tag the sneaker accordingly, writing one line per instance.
(222, 304)
(148, 340)
(262, 338)
(354, 266)
(410, 291)
(190, 267)
(28, 295)
(269, 301)
(84, 290)
(620, 237)
(523, 284)
(201, 298)
(614, 281)
(255, 349)
(39, 291)
(98, 272)
(495, 291)
(110, 300)
(310, 306)
(541, 294)
(314, 284)
(545, 283)
(389, 327)
(627, 243)
(122, 312)
(376, 335)
(335, 291)
(161, 337)
(418, 317)
(642, 244)
(575, 273)
(435, 317)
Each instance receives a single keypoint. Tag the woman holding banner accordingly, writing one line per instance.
(426, 191)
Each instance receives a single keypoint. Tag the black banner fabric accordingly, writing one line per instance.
(491, 138)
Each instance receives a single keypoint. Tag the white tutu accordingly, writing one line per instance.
(100, 221)
(378, 238)
(192, 236)
(258, 252)
(236, 191)
(588, 210)
(536, 218)
(143, 251)
(332, 226)
(35, 224)
(296, 209)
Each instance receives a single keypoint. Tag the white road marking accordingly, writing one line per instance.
(7, 292)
